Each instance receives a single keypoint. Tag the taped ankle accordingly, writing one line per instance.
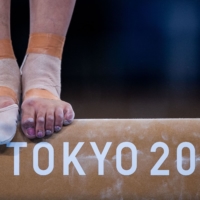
(6, 50)
(9, 87)
(45, 43)
(9, 71)
(42, 72)
(41, 75)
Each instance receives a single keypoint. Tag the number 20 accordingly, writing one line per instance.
(155, 170)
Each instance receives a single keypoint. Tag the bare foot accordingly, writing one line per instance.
(42, 116)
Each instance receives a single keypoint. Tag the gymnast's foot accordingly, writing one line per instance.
(43, 116)
(6, 101)
(9, 95)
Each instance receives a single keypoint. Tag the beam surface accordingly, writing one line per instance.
(106, 159)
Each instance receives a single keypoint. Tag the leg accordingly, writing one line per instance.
(5, 33)
(9, 78)
(50, 16)
(5, 19)
(42, 116)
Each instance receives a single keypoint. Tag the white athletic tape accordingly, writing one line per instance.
(10, 75)
(42, 72)
(10, 78)
(8, 123)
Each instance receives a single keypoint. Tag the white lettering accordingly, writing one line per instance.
(67, 159)
(100, 156)
(155, 171)
(16, 146)
(36, 160)
(180, 158)
(119, 158)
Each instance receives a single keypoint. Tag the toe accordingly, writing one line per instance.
(49, 125)
(68, 115)
(40, 124)
(58, 119)
(28, 121)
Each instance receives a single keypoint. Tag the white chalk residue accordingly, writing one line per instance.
(91, 134)
(185, 161)
(174, 140)
(139, 152)
(127, 128)
(114, 191)
(197, 158)
(196, 134)
(164, 136)
(128, 155)
(141, 136)
(107, 193)
(114, 157)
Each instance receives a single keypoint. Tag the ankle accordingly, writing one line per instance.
(6, 49)
(41, 71)
(42, 66)
(9, 73)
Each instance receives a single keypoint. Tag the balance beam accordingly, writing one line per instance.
(105, 159)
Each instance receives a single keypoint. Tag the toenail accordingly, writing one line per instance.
(30, 120)
(48, 132)
(40, 134)
(70, 116)
(67, 122)
(30, 131)
(57, 128)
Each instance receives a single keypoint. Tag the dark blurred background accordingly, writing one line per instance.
(127, 58)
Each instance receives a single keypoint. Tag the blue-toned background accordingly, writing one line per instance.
(127, 58)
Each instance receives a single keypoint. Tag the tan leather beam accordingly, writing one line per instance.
(106, 159)
(44, 43)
